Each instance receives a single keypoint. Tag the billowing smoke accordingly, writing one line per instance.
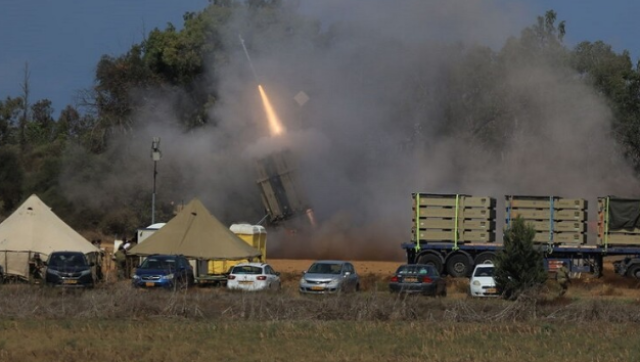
(385, 119)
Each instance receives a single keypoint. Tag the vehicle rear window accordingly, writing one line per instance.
(325, 268)
(246, 270)
(415, 270)
(67, 260)
(157, 263)
(484, 272)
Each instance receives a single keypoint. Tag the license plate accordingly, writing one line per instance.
(492, 290)
(317, 288)
(70, 281)
(148, 284)
(246, 282)
(410, 280)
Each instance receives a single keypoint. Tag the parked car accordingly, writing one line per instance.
(418, 278)
(482, 283)
(253, 276)
(329, 276)
(68, 269)
(163, 271)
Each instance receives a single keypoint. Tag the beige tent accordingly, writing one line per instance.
(197, 234)
(34, 228)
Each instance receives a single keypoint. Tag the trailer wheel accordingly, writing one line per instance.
(634, 271)
(458, 266)
(431, 259)
(484, 258)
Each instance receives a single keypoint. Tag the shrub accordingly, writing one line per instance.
(519, 266)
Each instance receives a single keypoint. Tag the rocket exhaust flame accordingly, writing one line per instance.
(274, 122)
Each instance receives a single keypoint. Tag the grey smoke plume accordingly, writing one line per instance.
(375, 128)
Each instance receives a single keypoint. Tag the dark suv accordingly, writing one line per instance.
(69, 269)
(163, 270)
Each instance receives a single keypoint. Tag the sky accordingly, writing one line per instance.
(62, 41)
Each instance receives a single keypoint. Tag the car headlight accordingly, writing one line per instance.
(476, 283)
(333, 282)
(168, 276)
(53, 271)
(136, 277)
(85, 272)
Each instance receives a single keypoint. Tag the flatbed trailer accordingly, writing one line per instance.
(463, 215)
(459, 260)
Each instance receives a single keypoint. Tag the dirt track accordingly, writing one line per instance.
(381, 268)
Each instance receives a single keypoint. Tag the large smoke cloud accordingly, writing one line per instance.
(372, 131)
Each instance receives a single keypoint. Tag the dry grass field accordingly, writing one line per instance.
(596, 321)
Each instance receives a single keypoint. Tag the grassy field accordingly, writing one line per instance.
(596, 321)
(422, 340)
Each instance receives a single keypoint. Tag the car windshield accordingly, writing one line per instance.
(158, 263)
(325, 268)
(67, 260)
(416, 270)
(246, 269)
(484, 271)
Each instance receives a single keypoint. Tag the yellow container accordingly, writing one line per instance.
(254, 235)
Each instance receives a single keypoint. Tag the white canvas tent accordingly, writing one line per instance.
(34, 228)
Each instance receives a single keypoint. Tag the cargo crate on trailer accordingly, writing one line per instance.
(556, 220)
(618, 221)
(453, 218)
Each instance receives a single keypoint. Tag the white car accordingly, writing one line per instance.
(482, 283)
(253, 276)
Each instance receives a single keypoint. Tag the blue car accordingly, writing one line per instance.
(164, 271)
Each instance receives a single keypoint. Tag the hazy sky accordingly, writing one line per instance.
(63, 40)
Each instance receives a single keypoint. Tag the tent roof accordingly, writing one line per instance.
(195, 233)
(34, 227)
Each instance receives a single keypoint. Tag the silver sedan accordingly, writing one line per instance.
(329, 276)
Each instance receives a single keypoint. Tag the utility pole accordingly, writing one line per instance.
(156, 155)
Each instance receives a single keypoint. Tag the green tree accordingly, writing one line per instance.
(68, 124)
(614, 77)
(11, 179)
(10, 119)
(542, 41)
(519, 265)
(40, 129)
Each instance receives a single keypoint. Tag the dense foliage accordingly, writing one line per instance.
(36, 150)
(519, 265)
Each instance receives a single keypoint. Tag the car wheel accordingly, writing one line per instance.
(357, 289)
(634, 271)
(181, 283)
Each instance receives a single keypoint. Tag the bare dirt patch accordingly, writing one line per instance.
(381, 268)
